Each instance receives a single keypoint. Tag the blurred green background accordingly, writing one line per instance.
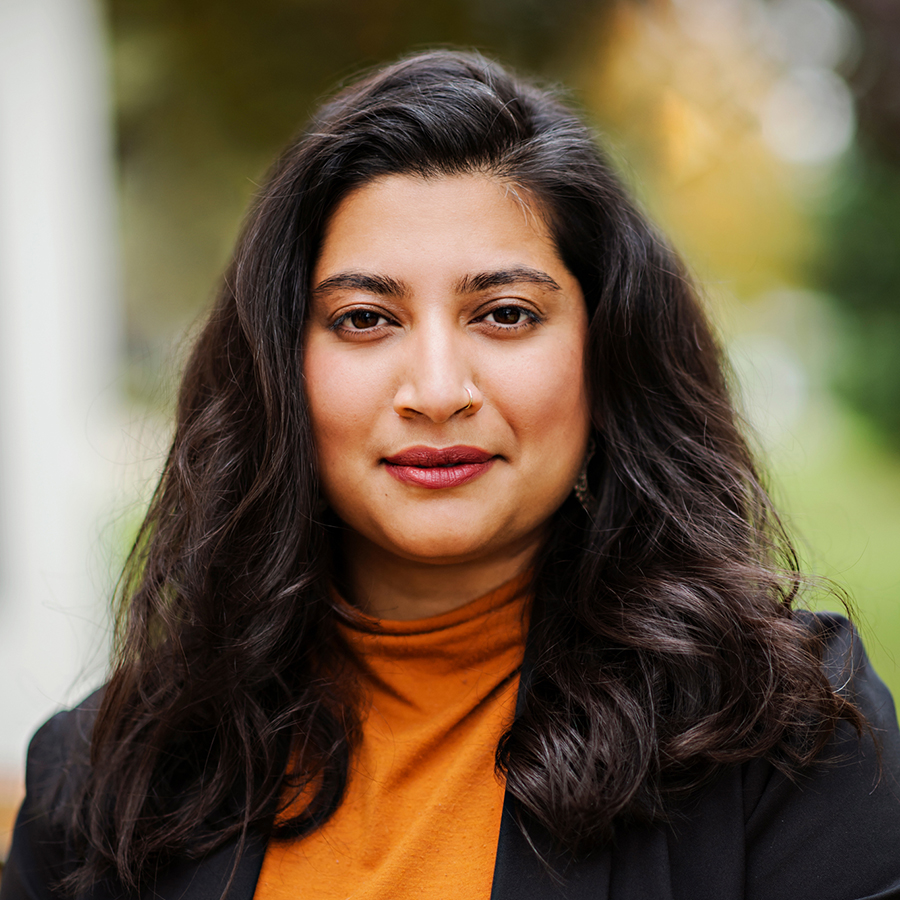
(763, 136)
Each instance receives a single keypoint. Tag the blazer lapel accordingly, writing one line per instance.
(206, 879)
(520, 874)
(535, 870)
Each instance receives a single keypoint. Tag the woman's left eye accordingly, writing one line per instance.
(510, 316)
(359, 320)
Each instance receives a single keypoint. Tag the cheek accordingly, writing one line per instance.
(549, 410)
(345, 395)
(551, 394)
(332, 393)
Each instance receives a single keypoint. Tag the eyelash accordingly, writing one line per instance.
(339, 323)
(530, 320)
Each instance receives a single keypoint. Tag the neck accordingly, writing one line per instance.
(390, 587)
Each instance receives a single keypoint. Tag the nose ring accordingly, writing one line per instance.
(469, 404)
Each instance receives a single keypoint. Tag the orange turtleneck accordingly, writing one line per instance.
(421, 815)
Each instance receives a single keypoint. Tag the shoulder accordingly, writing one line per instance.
(847, 665)
(832, 832)
(59, 757)
(827, 834)
(59, 752)
(877, 751)
(42, 853)
(58, 762)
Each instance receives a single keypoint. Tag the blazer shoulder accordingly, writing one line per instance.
(847, 666)
(58, 759)
(57, 764)
(830, 833)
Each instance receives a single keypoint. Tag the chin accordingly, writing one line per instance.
(437, 545)
(441, 551)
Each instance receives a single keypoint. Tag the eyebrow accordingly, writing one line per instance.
(384, 286)
(380, 285)
(485, 281)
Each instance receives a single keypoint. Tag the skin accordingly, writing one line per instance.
(427, 292)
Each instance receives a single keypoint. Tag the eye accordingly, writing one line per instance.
(510, 317)
(507, 315)
(360, 320)
(365, 318)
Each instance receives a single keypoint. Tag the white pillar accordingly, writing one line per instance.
(59, 336)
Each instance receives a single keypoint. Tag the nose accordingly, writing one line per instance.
(437, 378)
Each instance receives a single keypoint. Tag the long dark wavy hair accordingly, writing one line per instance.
(663, 645)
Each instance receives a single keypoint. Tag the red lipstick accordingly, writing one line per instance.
(439, 467)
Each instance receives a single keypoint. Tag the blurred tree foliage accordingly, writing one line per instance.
(254, 68)
(860, 265)
(861, 269)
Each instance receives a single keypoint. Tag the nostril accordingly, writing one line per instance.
(438, 400)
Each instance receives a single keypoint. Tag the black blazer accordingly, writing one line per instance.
(753, 835)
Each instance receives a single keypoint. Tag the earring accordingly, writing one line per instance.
(582, 488)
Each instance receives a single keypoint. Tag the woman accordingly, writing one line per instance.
(456, 397)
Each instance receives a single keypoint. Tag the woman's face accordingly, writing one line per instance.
(444, 369)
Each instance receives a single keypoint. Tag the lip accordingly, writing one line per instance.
(439, 467)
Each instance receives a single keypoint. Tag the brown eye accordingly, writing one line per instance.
(364, 318)
(507, 315)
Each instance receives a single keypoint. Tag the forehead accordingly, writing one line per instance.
(459, 220)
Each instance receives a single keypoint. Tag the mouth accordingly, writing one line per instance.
(439, 467)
